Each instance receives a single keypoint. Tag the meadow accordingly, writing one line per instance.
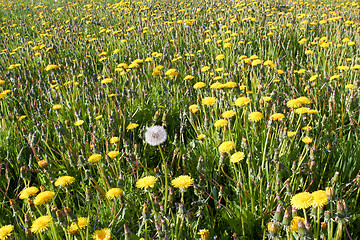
(176, 119)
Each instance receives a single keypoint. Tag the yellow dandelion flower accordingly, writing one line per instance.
(43, 197)
(277, 116)
(193, 106)
(6, 231)
(228, 114)
(237, 157)
(301, 200)
(132, 126)
(56, 107)
(293, 103)
(217, 85)
(79, 123)
(51, 67)
(256, 116)
(182, 182)
(307, 140)
(145, 182)
(220, 57)
(114, 193)
(242, 101)
(313, 111)
(302, 110)
(221, 123)
(230, 85)
(200, 137)
(21, 117)
(189, 77)
(204, 234)
(295, 223)
(64, 180)
(28, 192)
(98, 117)
(350, 86)
(209, 101)
(81, 224)
(291, 134)
(94, 158)
(307, 128)
(304, 100)
(265, 99)
(199, 85)
(319, 198)
(113, 154)
(41, 224)
(227, 146)
(114, 139)
(102, 234)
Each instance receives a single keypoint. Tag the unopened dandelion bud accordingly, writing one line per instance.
(29, 235)
(145, 213)
(277, 186)
(313, 212)
(159, 229)
(288, 189)
(329, 191)
(43, 164)
(163, 120)
(294, 212)
(302, 230)
(323, 225)
(71, 215)
(88, 195)
(286, 220)
(235, 236)
(307, 225)
(272, 227)
(244, 142)
(327, 216)
(278, 213)
(42, 189)
(14, 207)
(127, 232)
(163, 224)
(335, 178)
(340, 209)
(53, 212)
(61, 218)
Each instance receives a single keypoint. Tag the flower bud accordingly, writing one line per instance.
(272, 227)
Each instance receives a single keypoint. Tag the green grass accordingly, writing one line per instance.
(87, 42)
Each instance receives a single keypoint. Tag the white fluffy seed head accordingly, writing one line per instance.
(155, 135)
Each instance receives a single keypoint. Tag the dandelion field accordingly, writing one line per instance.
(179, 119)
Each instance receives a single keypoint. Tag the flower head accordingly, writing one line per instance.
(228, 114)
(256, 116)
(113, 154)
(41, 224)
(155, 135)
(221, 123)
(64, 180)
(209, 101)
(79, 123)
(5, 231)
(237, 157)
(319, 198)
(277, 116)
(307, 140)
(114, 193)
(94, 158)
(295, 223)
(146, 182)
(81, 224)
(102, 234)
(28, 192)
(227, 146)
(114, 139)
(293, 103)
(182, 182)
(199, 85)
(132, 126)
(242, 101)
(301, 200)
(56, 107)
(204, 234)
(43, 197)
